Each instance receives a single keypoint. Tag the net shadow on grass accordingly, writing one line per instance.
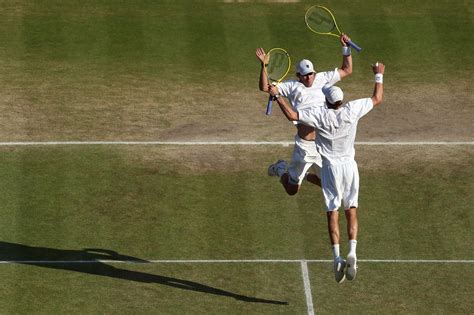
(90, 261)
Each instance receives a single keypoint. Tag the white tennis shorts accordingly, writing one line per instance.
(304, 156)
(340, 184)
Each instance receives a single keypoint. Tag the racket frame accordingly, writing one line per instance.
(268, 111)
(351, 43)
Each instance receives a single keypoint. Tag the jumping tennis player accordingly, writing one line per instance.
(337, 126)
(304, 93)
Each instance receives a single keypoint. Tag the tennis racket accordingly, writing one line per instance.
(277, 66)
(321, 21)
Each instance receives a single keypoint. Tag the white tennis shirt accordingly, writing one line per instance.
(336, 129)
(301, 96)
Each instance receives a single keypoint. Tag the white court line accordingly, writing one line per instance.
(183, 143)
(237, 261)
(307, 287)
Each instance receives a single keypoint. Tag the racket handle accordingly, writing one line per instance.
(354, 45)
(268, 112)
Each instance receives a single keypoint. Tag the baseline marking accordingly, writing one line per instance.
(307, 287)
(184, 143)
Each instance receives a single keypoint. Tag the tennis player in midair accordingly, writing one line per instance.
(336, 124)
(303, 93)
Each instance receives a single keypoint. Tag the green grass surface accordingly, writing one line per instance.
(233, 288)
(396, 289)
(121, 203)
(183, 288)
(166, 70)
(96, 70)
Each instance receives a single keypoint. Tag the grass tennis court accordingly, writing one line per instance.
(138, 204)
(163, 71)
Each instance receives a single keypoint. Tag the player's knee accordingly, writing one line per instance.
(351, 210)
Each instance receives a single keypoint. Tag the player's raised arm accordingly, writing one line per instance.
(379, 69)
(284, 106)
(346, 68)
(262, 57)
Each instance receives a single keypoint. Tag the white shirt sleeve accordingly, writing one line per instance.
(359, 108)
(285, 88)
(332, 77)
(309, 116)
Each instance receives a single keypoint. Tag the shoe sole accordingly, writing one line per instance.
(342, 266)
(351, 271)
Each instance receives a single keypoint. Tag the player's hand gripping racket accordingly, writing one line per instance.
(277, 66)
(321, 21)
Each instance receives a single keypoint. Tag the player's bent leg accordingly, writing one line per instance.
(313, 179)
(290, 188)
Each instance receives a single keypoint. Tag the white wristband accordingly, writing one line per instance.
(346, 50)
(379, 78)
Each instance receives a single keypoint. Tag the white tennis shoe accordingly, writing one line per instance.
(277, 169)
(351, 270)
(339, 266)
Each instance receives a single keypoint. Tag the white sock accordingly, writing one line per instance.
(335, 250)
(352, 247)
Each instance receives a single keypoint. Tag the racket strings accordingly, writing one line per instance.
(321, 21)
(278, 66)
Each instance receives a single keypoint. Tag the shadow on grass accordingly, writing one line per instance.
(90, 261)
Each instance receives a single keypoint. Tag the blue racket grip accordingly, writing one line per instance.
(354, 45)
(268, 112)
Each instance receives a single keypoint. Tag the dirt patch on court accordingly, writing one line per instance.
(145, 110)
(424, 113)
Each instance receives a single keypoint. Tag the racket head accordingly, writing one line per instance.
(320, 20)
(278, 64)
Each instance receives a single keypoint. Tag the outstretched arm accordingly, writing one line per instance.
(346, 68)
(379, 69)
(262, 57)
(287, 110)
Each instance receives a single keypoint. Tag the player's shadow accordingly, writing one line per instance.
(91, 261)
